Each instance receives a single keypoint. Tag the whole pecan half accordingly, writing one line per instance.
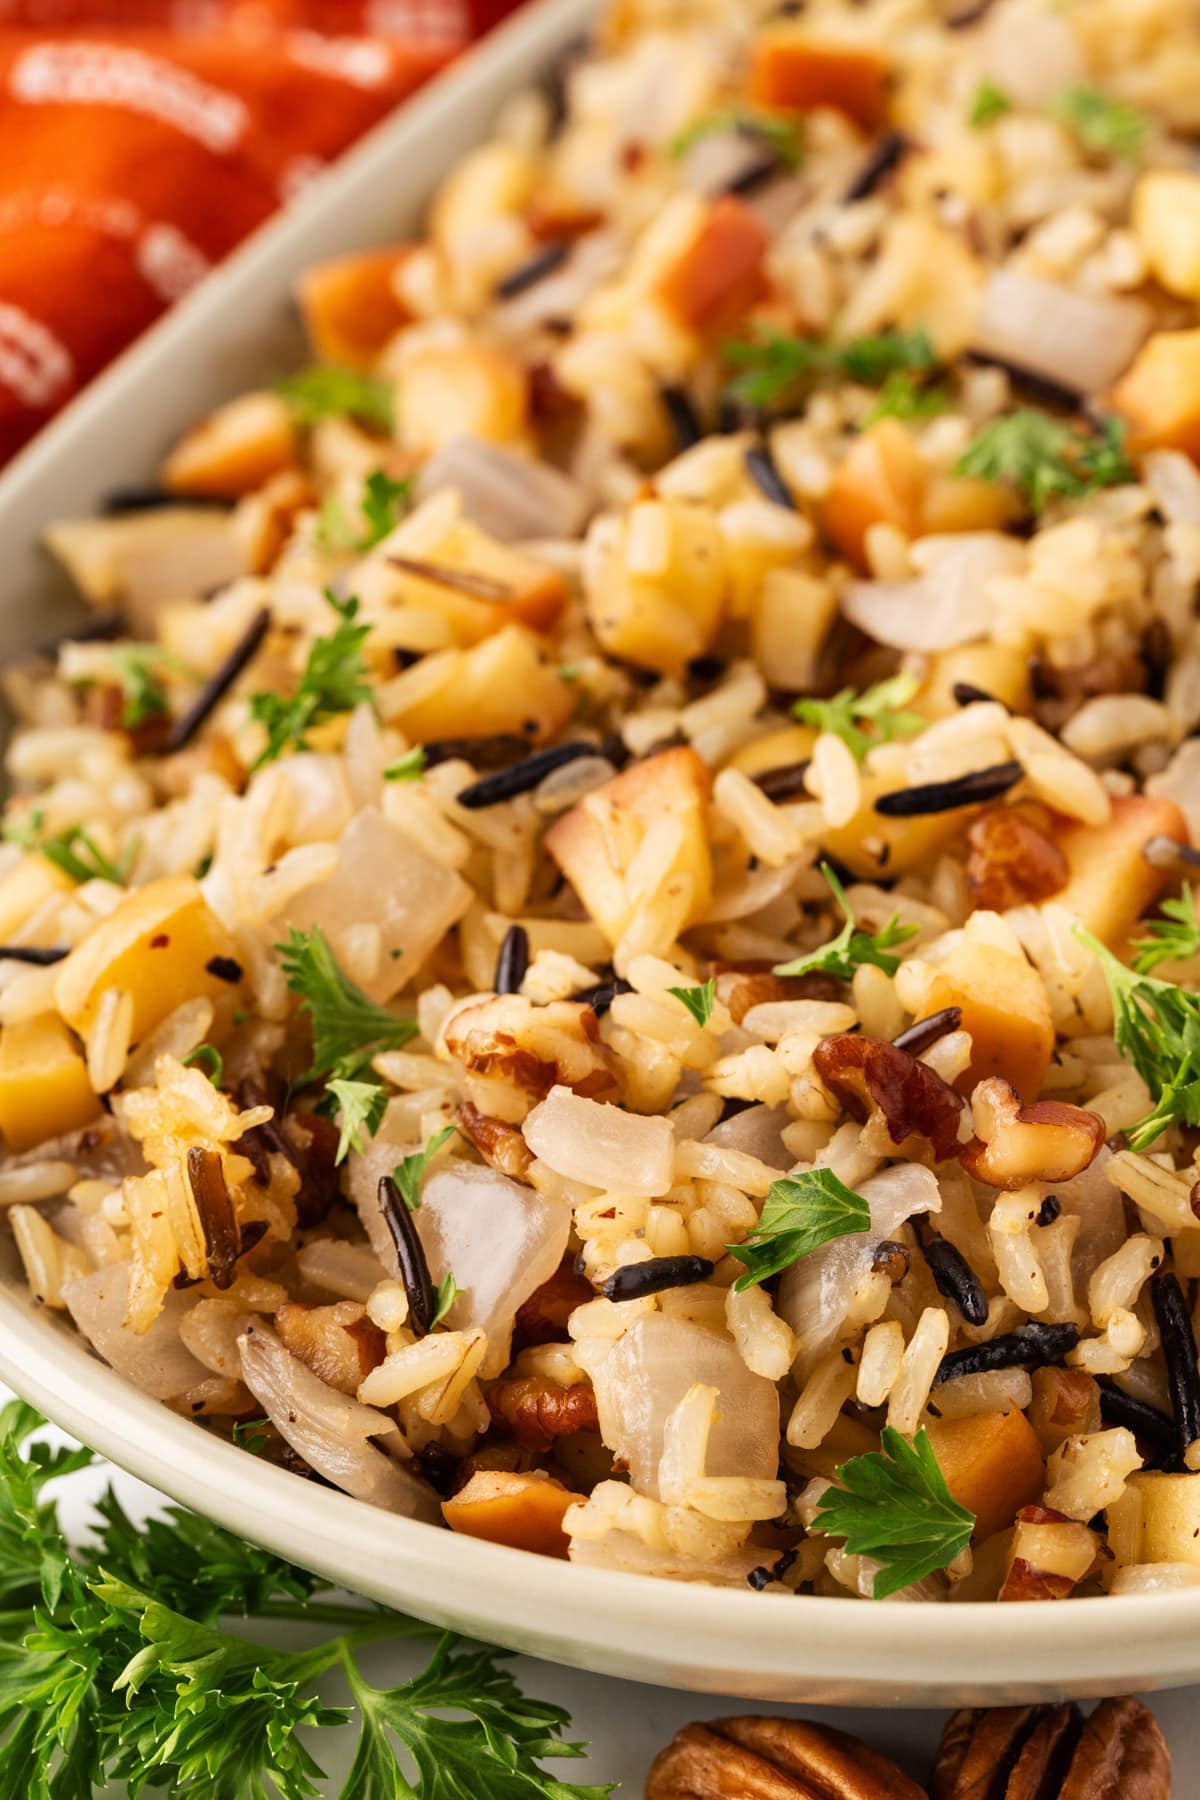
(536, 1411)
(773, 1759)
(920, 1110)
(1053, 1753)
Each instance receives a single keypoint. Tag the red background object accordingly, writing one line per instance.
(140, 140)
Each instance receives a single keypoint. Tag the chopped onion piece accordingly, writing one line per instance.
(1079, 341)
(154, 1360)
(512, 497)
(945, 606)
(601, 1145)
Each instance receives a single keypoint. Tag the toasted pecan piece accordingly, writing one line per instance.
(773, 1759)
(1011, 862)
(338, 1343)
(537, 1411)
(542, 1319)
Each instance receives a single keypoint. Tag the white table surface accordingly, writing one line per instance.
(625, 1722)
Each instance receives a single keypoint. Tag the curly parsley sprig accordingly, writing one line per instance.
(772, 366)
(851, 947)
(115, 1667)
(1157, 1026)
(348, 1028)
(1045, 458)
(881, 709)
(74, 851)
(334, 681)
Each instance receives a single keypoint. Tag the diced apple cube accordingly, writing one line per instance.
(880, 481)
(503, 684)
(1005, 1009)
(993, 1465)
(44, 1087)
(1166, 223)
(235, 449)
(793, 69)
(655, 583)
(350, 306)
(524, 1511)
(1111, 884)
(720, 274)
(462, 390)
(1159, 395)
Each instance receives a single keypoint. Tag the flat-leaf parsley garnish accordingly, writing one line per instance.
(360, 1107)
(699, 999)
(894, 1506)
(327, 390)
(74, 851)
(1157, 1026)
(801, 1212)
(348, 1029)
(334, 681)
(1173, 938)
(781, 133)
(383, 504)
(115, 1668)
(880, 709)
(1103, 124)
(773, 365)
(851, 947)
(988, 102)
(409, 767)
(1045, 458)
(410, 1172)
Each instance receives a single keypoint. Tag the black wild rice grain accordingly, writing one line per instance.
(966, 693)
(522, 777)
(218, 1221)
(495, 752)
(410, 1253)
(946, 796)
(753, 176)
(764, 473)
(1157, 652)
(185, 727)
(460, 581)
(1179, 1354)
(765, 1574)
(636, 1280)
(40, 959)
(882, 159)
(1166, 853)
(685, 421)
(924, 1032)
(121, 500)
(439, 1467)
(601, 997)
(1049, 1210)
(1145, 1421)
(784, 782)
(512, 961)
(1035, 1346)
(101, 628)
(970, 15)
(225, 968)
(953, 1276)
(543, 263)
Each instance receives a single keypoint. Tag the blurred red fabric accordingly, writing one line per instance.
(140, 140)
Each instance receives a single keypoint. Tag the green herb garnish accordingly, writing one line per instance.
(1173, 938)
(1103, 124)
(851, 947)
(447, 1294)
(138, 669)
(360, 1106)
(907, 395)
(783, 136)
(409, 767)
(699, 999)
(348, 1029)
(410, 1172)
(334, 681)
(208, 1058)
(774, 364)
(384, 503)
(326, 390)
(116, 1671)
(253, 1435)
(1044, 458)
(801, 1212)
(894, 1506)
(1157, 1026)
(881, 707)
(987, 103)
(74, 851)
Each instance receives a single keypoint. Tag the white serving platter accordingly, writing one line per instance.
(233, 332)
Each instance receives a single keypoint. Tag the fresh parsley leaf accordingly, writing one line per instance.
(801, 1212)
(384, 503)
(74, 851)
(782, 135)
(1103, 124)
(348, 1028)
(208, 1058)
(907, 395)
(334, 681)
(360, 1106)
(409, 1173)
(409, 767)
(447, 1294)
(699, 999)
(894, 1506)
(115, 1669)
(139, 670)
(1173, 938)
(881, 707)
(253, 1435)
(987, 103)
(1157, 1026)
(1046, 458)
(774, 364)
(851, 947)
(326, 390)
